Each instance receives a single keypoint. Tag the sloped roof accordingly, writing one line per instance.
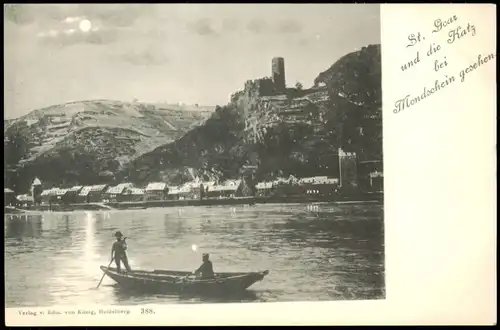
(54, 192)
(313, 179)
(61, 192)
(230, 185)
(49, 192)
(99, 187)
(115, 190)
(87, 189)
(119, 189)
(24, 198)
(135, 191)
(75, 188)
(125, 185)
(283, 180)
(36, 182)
(156, 186)
(319, 180)
(326, 181)
(7, 190)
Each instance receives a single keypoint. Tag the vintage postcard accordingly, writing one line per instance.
(249, 164)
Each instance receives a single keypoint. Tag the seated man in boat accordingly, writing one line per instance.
(118, 251)
(206, 270)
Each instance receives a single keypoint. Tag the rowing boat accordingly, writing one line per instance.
(168, 281)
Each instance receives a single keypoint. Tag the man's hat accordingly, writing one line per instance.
(118, 234)
(205, 255)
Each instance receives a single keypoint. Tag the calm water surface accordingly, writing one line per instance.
(320, 252)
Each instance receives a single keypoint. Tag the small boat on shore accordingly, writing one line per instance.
(167, 281)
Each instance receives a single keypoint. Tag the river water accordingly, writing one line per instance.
(313, 252)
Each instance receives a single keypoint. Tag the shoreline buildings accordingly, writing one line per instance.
(344, 174)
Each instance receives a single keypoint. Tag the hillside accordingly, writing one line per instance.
(83, 142)
(295, 133)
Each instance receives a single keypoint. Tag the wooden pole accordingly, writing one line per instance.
(104, 273)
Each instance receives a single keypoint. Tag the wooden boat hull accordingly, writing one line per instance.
(164, 281)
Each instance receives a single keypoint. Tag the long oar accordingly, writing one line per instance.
(104, 273)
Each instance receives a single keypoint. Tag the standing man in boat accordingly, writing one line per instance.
(206, 269)
(118, 252)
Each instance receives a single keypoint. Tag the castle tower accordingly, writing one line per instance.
(36, 191)
(278, 71)
(348, 170)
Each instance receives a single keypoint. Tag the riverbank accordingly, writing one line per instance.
(378, 197)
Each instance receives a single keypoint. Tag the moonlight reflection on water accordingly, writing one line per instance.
(325, 252)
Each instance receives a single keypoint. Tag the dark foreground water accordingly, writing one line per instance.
(319, 252)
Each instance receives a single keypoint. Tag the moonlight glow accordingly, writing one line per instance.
(194, 247)
(85, 25)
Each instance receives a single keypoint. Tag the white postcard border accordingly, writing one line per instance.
(440, 202)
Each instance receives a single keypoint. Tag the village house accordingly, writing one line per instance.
(264, 189)
(184, 192)
(9, 197)
(91, 194)
(311, 180)
(173, 193)
(117, 193)
(54, 196)
(376, 181)
(371, 178)
(205, 188)
(96, 193)
(287, 187)
(83, 195)
(49, 196)
(133, 195)
(71, 196)
(229, 189)
(192, 190)
(61, 196)
(319, 186)
(156, 191)
(195, 190)
(25, 200)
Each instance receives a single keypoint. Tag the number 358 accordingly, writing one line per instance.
(147, 311)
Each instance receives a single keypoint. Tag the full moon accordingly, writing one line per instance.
(85, 25)
(194, 247)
